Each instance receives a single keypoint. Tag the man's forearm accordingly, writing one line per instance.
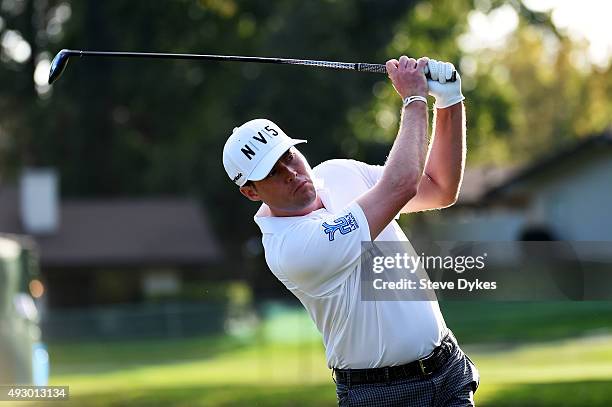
(446, 158)
(407, 156)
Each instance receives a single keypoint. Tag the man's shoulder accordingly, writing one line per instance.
(348, 172)
(339, 166)
(338, 163)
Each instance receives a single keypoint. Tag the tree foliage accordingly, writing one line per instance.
(135, 127)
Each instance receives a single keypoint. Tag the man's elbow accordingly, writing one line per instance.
(448, 199)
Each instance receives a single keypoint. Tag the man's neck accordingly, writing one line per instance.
(316, 204)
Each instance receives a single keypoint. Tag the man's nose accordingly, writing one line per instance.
(289, 172)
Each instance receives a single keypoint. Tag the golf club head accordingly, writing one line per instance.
(59, 64)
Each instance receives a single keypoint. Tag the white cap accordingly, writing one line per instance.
(252, 150)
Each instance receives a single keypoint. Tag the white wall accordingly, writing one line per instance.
(575, 201)
(578, 205)
(39, 200)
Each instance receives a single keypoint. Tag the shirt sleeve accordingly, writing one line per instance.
(371, 173)
(317, 255)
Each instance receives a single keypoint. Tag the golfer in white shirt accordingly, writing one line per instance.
(383, 353)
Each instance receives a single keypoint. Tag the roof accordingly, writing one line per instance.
(547, 162)
(120, 232)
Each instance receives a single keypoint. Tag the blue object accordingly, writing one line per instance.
(40, 364)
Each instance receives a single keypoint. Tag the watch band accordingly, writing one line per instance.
(409, 99)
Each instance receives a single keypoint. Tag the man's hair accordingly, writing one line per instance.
(249, 183)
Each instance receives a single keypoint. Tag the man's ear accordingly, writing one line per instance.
(250, 192)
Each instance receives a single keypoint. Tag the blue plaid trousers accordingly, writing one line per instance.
(453, 385)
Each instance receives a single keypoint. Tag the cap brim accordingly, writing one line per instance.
(264, 167)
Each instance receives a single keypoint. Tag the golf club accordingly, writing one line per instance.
(58, 65)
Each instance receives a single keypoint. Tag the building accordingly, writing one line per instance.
(108, 251)
(564, 196)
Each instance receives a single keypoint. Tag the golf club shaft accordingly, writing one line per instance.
(353, 66)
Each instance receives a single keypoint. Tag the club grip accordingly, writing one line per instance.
(379, 68)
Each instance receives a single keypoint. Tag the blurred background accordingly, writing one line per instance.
(130, 268)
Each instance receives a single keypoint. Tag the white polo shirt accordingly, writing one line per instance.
(317, 257)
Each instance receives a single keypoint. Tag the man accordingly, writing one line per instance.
(383, 353)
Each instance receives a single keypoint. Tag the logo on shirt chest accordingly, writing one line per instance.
(344, 225)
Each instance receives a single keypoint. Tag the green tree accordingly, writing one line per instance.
(135, 127)
(547, 94)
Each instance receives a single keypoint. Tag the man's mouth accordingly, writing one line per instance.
(300, 185)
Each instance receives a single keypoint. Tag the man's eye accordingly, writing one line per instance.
(290, 156)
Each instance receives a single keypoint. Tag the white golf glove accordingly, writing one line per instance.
(446, 93)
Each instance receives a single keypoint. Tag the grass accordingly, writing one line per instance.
(519, 364)
(484, 322)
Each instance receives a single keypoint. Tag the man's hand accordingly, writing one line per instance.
(446, 93)
(407, 76)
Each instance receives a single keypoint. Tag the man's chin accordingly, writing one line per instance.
(310, 192)
(308, 196)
